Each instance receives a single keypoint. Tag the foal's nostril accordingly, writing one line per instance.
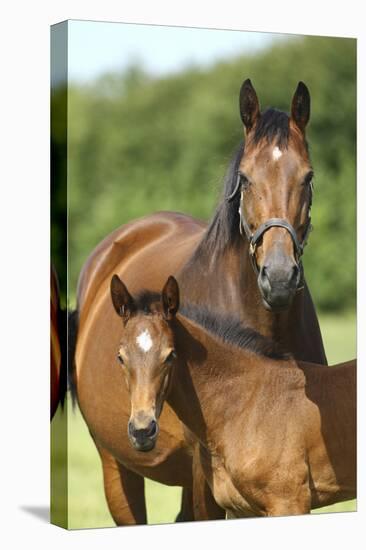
(142, 433)
(151, 429)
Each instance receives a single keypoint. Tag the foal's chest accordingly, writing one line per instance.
(223, 489)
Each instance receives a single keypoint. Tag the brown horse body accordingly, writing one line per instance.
(285, 440)
(283, 446)
(272, 436)
(213, 268)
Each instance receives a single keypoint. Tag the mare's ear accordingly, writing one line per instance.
(170, 298)
(121, 298)
(249, 105)
(300, 107)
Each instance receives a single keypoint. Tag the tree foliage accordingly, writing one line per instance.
(138, 144)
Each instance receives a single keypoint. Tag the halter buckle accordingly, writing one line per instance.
(252, 248)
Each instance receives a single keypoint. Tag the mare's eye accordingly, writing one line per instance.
(172, 355)
(244, 182)
(309, 179)
(119, 358)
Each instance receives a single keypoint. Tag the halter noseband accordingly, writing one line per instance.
(253, 238)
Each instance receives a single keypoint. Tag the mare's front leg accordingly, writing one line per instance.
(124, 491)
(186, 510)
(204, 505)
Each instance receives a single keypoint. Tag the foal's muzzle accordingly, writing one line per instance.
(143, 434)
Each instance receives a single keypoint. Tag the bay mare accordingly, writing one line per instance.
(271, 435)
(268, 178)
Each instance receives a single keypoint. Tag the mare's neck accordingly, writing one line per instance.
(224, 280)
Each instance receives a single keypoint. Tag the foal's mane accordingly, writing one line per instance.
(223, 230)
(228, 329)
(231, 330)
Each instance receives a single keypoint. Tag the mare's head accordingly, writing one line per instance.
(146, 355)
(275, 180)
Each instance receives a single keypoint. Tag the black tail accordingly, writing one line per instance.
(67, 322)
(73, 319)
(62, 334)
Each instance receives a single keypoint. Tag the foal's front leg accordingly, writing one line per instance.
(290, 505)
(288, 509)
(204, 505)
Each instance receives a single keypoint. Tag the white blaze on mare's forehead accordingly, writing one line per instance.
(144, 341)
(276, 153)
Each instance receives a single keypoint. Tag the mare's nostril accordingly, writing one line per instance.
(264, 272)
(264, 279)
(295, 273)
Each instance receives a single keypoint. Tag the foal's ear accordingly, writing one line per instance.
(121, 298)
(170, 298)
(300, 107)
(249, 105)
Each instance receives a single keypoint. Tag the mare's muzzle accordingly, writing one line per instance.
(278, 281)
(280, 277)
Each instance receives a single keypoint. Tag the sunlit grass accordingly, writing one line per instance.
(339, 336)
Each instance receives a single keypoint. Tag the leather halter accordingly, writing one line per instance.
(254, 238)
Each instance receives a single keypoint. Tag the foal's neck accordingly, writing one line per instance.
(209, 371)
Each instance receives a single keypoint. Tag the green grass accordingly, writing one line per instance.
(339, 336)
(87, 505)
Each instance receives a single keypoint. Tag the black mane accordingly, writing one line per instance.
(273, 126)
(223, 230)
(147, 301)
(229, 329)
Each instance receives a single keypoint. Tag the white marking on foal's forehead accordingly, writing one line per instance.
(144, 341)
(276, 153)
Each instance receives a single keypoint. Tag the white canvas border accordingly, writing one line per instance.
(25, 266)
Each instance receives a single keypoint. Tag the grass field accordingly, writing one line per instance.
(87, 505)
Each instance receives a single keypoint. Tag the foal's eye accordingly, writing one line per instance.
(119, 358)
(172, 355)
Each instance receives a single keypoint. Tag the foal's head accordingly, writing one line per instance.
(276, 187)
(146, 355)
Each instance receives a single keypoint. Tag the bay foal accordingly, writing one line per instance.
(271, 435)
